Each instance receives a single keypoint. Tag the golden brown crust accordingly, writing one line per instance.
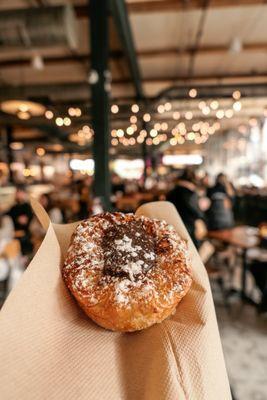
(138, 298)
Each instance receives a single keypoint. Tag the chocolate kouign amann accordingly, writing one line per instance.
(127, 272)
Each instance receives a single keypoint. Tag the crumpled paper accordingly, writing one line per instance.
(49, 349)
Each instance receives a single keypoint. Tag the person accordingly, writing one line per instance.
(185, 198)
(6, 236)
(21, 215)
(55, 214)
(220, 213)
(50, 206)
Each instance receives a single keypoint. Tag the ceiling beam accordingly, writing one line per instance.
(135, 7)
(118, 54)
(122, 23)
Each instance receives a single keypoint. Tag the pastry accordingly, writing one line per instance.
(127, 272)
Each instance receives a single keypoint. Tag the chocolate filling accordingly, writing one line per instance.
(128, 250)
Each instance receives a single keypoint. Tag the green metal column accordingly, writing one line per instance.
(99, 77)
(10, 157)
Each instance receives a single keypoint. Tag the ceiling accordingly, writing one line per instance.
(217, 48)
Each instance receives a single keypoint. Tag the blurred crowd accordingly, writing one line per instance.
(203, 204)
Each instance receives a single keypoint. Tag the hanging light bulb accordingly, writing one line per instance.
(135, 108)
(147, 117)
(192, 93)
(114, 109)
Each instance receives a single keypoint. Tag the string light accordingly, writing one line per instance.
(188, 115)
(173, 141)
(191, 136)
(192, 93)
(135, 108)
(120, 133)
(132, 141)
(161, 109)
(49, 114)
(201, 105)
(114, 133)
(140, 139)
(78, 112)
(167, 106)
(146, 117)
(236, 95)
(153, 133)
(143, 133)
(156, 141)
(220, 114)
(114, 142)
(72, 112)
(176, 115)
(164, 126)
(67, 121)
(114, 109)
(214, 105)
(59, 121)
(149, 141)
(206, 110)
(237, 106)
(133, 119)
(130, 130)
(157, 126)
(40, 151)
(229, 113)
(180, 140)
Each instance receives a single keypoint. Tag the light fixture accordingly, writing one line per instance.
(37, 62)
(16, 145)
(168, 106)
(24, 109)
(153, 133)
(236, 95)
(130, 130)
(201, 104)
(83, 165)
(59, 121)
(161, 109)
(49, 114)
(192, 93)
(188, 115)
(23, 115)
(182, 159)
(135, 108)
(235, 45)
(120, 133)
(214, 105)
(114, 109)
(146, 117)
(205, 110)
(40, 151)
(220, 114)
(176, 115)
(237, 106)
(229, 113)
(114, 142)
(67, 121)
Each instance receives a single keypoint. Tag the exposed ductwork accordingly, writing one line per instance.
(38, 27)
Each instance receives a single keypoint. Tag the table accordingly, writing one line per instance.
(243, 237)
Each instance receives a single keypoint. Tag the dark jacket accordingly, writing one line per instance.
(186, 202)
(220, 214)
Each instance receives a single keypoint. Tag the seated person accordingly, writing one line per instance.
(21, 215)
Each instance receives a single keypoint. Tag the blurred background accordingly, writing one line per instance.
(106, 105)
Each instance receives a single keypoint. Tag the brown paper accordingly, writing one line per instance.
(51, 350)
